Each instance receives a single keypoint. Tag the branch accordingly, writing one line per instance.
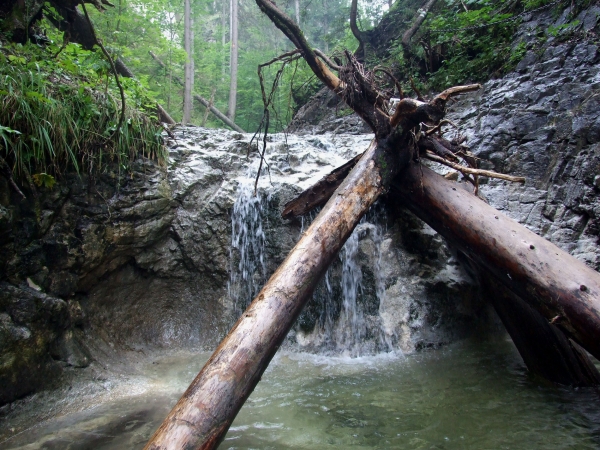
(358, 34)
(222, 117)
(328, 61)
(318, 194)
(470, 170)
(112, 66)
(419, 19)
(8, 173)
(294, 34)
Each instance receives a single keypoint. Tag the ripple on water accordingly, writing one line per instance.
(470, 395)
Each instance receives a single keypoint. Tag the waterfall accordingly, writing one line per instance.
(346, 303)
(355, 333)
(247, 253)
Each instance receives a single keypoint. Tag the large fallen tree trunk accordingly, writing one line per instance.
(204, 413)
(208, 105)
(563, 289)
(560, 287)
(545, 349)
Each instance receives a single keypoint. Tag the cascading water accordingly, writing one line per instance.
(353, 328)
(247, 254)
(346, 302)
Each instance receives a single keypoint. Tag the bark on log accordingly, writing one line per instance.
(222, 117)
(544, 348)
(563, 289)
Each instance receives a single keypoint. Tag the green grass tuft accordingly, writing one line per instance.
(59, 115)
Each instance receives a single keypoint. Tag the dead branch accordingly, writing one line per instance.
(472, 171)
(328, 61)
(4, 167)
(439, 126)
(318, 194)
(418, 21)
(110, 61)
(358, 34)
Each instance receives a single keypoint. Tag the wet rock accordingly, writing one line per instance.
(552, 138)
(29, 322)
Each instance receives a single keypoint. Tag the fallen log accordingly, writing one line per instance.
(561, 288)
(208, 105)
(545, 349)
(320, 193)
(204, 413)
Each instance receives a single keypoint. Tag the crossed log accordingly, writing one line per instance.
(564, 293)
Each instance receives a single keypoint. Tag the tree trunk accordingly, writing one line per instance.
(189, 64)
(210, 104)
(561, 288)
(319, 193)
(223, 37)
(418, 21)
(358, 34)
(545, 349)
(234, 61)
(222, 117)
(297, 11)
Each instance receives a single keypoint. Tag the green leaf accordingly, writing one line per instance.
(44, 180)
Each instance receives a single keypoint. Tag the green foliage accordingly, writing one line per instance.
(517, 53)
(470, 41)
(563, 29)
(480, 48)
(61, 113)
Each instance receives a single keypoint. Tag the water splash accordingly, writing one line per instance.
(247, 253)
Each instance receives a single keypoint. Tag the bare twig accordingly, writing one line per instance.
(4, 165)
(485, 173)
(455, 90)
(394, 79)
(439, 126)
(328, 61)
(113, 68)
(416, 90)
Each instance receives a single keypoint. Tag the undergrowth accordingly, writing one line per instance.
(466, 41)
(59, 114)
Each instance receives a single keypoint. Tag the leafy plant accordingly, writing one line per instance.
(58, 114)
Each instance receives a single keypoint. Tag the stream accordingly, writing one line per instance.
(474, 394)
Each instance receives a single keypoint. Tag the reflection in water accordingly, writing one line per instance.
(470, 395)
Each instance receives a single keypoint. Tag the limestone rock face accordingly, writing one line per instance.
(542, 122)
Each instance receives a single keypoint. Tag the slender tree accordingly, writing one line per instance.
(234, 61)
(189, 63)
